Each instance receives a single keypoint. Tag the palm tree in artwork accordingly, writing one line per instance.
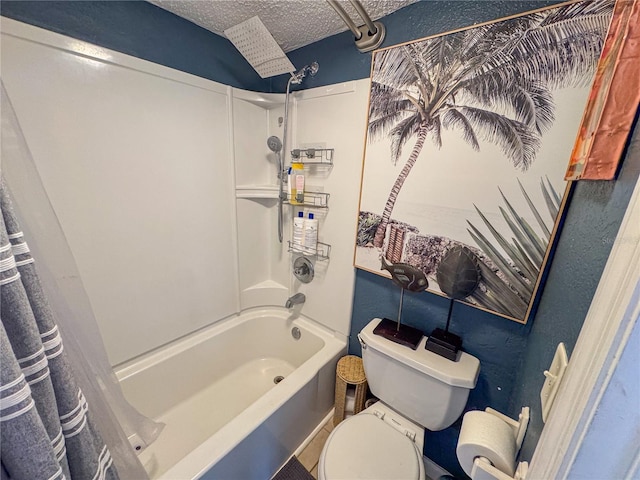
(491, 83)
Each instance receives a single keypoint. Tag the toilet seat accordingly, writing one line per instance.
(365, 447)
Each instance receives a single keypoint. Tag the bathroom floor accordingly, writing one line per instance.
(311, 454)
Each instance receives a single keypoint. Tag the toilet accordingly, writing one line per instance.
(417, 389)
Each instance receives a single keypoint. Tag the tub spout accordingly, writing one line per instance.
(295, 299)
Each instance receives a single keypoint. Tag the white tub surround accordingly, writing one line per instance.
(167, 192)
(136, 160)
(215, 390)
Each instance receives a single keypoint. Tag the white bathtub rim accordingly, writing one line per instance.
(212, 450)
(208, 453)
(149, 359)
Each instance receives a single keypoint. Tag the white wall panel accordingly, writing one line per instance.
(136, 159)
(260, 255)
(255, 163)
(334, 117)
(280, 258)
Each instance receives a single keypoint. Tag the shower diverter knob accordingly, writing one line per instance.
(303, 269)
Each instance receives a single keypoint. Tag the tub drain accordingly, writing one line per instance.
(277, 379)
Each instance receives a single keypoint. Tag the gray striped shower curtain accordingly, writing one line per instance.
(46, 430)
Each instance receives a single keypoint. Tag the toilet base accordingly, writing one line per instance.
(354, 455)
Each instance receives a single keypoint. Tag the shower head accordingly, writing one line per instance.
(257, 45)
(311, 70)
(274, 144)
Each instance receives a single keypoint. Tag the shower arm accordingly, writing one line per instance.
(295, 78)
(368, 36)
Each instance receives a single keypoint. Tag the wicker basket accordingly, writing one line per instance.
(349, 372)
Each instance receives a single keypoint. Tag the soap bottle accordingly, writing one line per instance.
(298, 232)
(311, 234)
(290, 193)
(297, 187)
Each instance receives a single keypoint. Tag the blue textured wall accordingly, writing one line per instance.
(512, 356)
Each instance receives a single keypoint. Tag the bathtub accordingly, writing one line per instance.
(238, 398)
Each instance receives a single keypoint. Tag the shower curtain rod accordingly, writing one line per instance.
(368, 36)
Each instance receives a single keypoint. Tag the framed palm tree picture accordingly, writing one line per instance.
(469, 135)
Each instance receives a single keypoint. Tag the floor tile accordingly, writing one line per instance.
(314, 472)
(329, 425)
(310, 455)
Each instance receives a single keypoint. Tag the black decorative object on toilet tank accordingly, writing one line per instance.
(458, 277)
(409, 278)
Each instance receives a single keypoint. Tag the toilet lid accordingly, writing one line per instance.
(365, 447)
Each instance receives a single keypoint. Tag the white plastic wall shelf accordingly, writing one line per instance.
(321, 253)
(312, 156)
(312, 199)
(257, 191)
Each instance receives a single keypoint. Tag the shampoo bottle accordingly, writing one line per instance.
(297, 191)
(298, 232)
(311, 234)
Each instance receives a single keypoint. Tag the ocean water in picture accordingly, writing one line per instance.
(441, 220)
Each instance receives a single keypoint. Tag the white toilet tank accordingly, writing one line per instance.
(421, 385)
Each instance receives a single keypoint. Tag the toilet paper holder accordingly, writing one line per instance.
(519, 426)
(482, 468)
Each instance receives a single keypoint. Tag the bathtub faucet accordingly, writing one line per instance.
(295, 299)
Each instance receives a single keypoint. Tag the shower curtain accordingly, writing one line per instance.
(46, 431)
(63, 414)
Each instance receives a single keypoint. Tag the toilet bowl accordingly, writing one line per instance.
(377, 443)
(417, 389)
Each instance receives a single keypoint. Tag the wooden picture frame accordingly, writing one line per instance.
(488, 115)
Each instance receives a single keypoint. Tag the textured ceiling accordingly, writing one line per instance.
(293, 23)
